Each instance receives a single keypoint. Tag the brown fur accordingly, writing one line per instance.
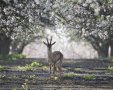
(54, 58)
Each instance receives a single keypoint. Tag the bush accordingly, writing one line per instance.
(17, 56)
(12, 57)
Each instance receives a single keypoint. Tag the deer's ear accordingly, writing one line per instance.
(45, 43)
(53, 43)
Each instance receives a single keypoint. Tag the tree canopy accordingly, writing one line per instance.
(21, 21)
(24, 20)
(91, 21)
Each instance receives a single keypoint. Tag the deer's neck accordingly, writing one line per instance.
(49, 53)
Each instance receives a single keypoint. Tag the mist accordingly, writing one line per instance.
(76, 50)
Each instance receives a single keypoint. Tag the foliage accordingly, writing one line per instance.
(54, 78)
(21, 22)
(25, 68)
(70, 75)
(12, 57)
(14, 89)
(110, 69)
(90, 21)
(30, 67)
(2, 67)
(89, 77)
(45, 67)
(24, 21)
(17, 56)
(36, 64)
(25, 86)
(32, 77)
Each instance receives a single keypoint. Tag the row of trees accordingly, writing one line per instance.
(92, 21)
(22, 21)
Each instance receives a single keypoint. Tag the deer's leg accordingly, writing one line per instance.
(60, 71)
(50, 68)
(60, 67)
(54, 69)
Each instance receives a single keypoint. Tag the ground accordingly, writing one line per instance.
(81, 74)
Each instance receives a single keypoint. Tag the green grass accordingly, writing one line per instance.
(2, 68)
(70, 75)
(16, 56)
(89, 77)
(30, 67)
(25, 68)
(12, 57)
(36, 64)
(110, 69)
(25, 85)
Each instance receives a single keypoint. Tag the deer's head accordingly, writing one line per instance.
(49, 43)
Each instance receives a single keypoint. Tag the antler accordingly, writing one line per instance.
(49, 42)
(45, 43)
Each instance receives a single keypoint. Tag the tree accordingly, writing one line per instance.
(91, 21)
(19, 22)
(21, 39)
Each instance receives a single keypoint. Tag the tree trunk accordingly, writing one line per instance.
(17, 47)
(111, 48)
(21, 48)
(103, 51)
(4, 45)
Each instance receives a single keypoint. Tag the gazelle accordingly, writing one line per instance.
(54, 58)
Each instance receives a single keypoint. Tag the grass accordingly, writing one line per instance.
(25, 85)
(2, 68)
(36, 64)
(86, 77)
(32, 77)
(89, 77)
(54, 78)
(45, 67)
(110, 69)
(70, 75)
(11, 57)
(30, 67)
(16, 56)
(25, 68)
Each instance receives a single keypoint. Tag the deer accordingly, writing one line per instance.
(54, 58)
